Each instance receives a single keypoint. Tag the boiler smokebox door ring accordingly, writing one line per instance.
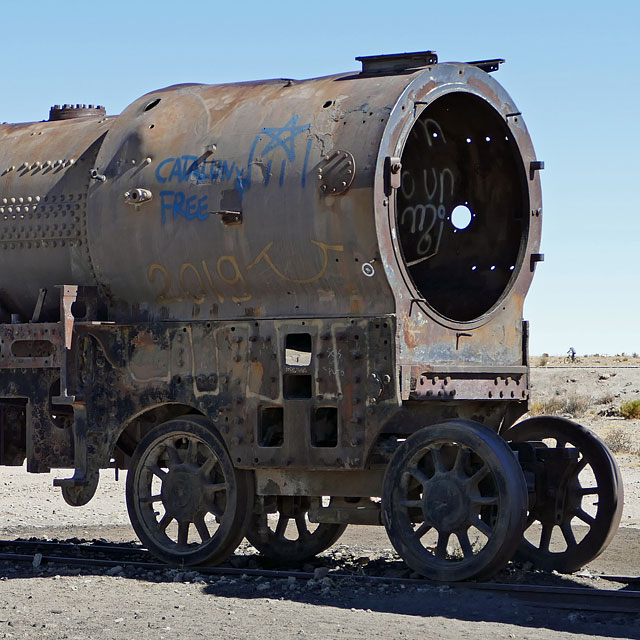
(461, 207)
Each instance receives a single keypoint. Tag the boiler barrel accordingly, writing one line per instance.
(335, 196)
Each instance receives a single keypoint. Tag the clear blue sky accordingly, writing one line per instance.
(572, 68)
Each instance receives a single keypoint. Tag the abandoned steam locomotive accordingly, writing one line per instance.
(288, 306)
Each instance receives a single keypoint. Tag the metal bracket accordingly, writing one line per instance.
(535, 258)
(68, 295)
(461, 334)
(392, 173)
(488, 65)
(397, 62)
(229, 218)
(415, 301)
(42, 294)
(535, 165)
(81, 487)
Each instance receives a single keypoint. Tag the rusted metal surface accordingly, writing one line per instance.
(334, 483)
(318, 269)
(191, 239)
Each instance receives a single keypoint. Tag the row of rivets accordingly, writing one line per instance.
(42, 210)
(37, 244)
(47, 164)
(29, 199)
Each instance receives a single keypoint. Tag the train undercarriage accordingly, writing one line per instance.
(288, 457)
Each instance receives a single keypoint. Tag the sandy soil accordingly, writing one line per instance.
(53, 602)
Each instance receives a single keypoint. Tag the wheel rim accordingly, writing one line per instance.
(292, 537)
(575, 527)
(454, 502)
(185, 499)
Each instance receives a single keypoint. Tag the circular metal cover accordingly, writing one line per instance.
(336, 172)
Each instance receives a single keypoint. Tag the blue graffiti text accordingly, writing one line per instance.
(174, 204)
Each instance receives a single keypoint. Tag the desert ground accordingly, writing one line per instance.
(57, 602)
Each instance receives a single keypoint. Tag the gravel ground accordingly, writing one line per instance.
(57, 602)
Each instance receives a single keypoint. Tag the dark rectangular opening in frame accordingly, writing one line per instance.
(296, 387)
(271, 427)
(324, 427)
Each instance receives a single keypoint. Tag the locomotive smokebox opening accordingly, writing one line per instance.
(462, 206)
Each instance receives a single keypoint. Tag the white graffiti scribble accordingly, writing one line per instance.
(428, 216)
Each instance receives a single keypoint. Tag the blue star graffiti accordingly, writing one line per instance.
(278, 141)
(279, 138)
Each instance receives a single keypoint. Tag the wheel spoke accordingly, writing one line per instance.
(213, 508)
(419, 475)
(588, 491)
(192, 451)
(530, 520)
(208, 465)
(436, 456)
(172, 452)
(582, 463)
(545, 537)
(157, 471)
(461, 458)
(441, 547)
(478, 476)
(561, 443)
(409, 504)
(201, 528)
(463, 538)
(211, 489)
(585, 517)
(281, 527)
(183, 532)
(421, 530)
(164, 522)
(484, 500)
(483, 527)
(301, 526)
(568, 534)
(150, 499)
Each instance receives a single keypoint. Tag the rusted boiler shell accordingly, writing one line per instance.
(329, 196)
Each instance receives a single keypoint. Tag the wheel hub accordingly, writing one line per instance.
(182, 494)
(445, 504)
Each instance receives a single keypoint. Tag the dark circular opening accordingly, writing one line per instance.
(79, 309)
(461, 206)
(152, 104)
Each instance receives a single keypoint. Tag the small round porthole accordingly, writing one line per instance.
(152, 104)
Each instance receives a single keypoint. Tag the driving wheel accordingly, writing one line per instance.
(454, 501)
(291, 537)
(578, 494)
(186, 501)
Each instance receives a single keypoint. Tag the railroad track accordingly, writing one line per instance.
(625, 600)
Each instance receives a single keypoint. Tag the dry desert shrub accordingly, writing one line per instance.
(536, 408)
(574, 404)
(577, 405)
(618, 441)
(630, 410)
(607, 398)
(543, 360)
